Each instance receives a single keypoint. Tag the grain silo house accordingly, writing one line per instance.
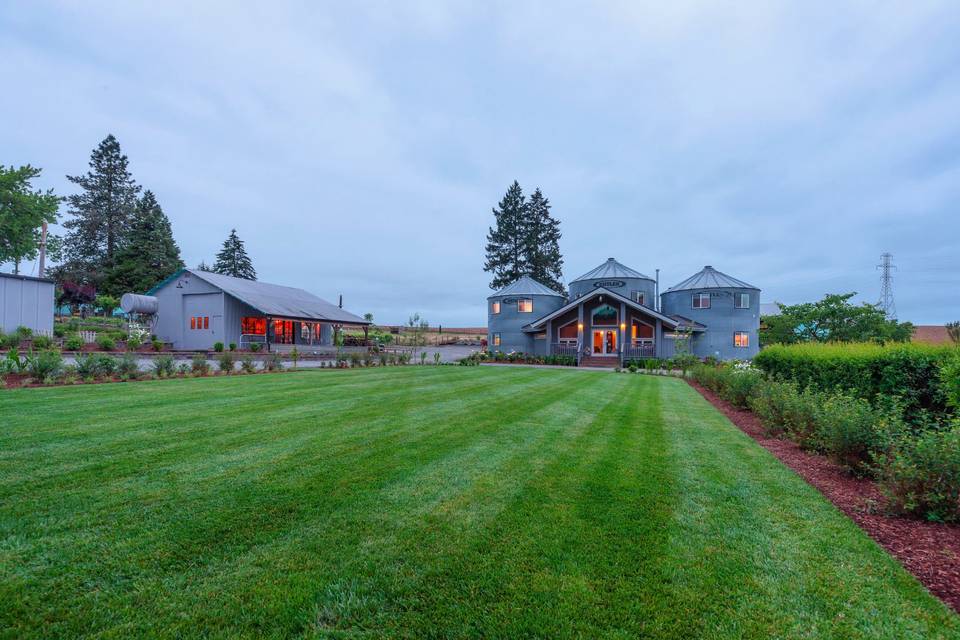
(26, 301)
(614, 314)
(196, 309)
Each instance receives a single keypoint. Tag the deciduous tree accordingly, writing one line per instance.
(833, 319)
(22, 214)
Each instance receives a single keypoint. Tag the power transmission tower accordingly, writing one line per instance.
(886, 303)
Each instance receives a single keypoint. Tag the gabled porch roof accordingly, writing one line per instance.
(669, 322)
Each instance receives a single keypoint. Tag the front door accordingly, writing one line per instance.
(605, 342)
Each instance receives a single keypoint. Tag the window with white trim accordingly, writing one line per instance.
(496, 339)
(741, 339)
(701, 301)
(524, 305)
(495, 307)
(638, 297)
(741, 300)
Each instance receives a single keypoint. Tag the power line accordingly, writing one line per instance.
(886, 303)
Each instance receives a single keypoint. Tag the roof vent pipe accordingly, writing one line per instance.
(341, 301)
(656, 295)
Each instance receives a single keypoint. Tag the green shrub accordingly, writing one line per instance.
(59, 330)
(783, 408)
(233, 346)
(225, 362)
(133, 342)
(156, 343)
(127, 366)
(105, 365)
(950, 378)
(73, 343)
(921, 474)
(255, 346)
(106, 343)
(24, 333)
(852, 431)
(218, 346)
(86, 366)
(274, 362)
(911, 372)
(163, 366)
(248, 365)
(199, 365)
(42, 342)
(45, 365)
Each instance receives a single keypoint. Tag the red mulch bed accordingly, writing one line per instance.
(928, 550)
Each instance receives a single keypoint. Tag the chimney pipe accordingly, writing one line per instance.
(657, 294)
(341, 301)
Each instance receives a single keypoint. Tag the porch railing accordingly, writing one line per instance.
(563, 349)
(639, 351)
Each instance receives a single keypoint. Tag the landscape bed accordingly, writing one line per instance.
(423, 502)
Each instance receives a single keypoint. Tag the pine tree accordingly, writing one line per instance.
(233, 259)
(203, 266)
(505, 244)
(544, 262)
(150, 253)
(102, 213)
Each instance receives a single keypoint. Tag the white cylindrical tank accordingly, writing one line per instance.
(136, 303)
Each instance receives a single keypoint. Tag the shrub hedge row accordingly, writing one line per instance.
(918, 470)
(910, 372)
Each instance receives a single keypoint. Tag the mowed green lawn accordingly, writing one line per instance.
(422, 502)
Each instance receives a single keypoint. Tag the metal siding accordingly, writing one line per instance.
(28, 303)
(203, 305)
(509, 322)
(722, 319)
(172, 315)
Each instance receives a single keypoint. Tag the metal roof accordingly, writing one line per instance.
(770, 309)
(526, 286)
(601, 291)
(611, 269)
(277, 300)
(710, 278)
(17, 276)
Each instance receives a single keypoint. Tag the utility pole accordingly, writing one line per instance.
(43, 249)
(886, 303)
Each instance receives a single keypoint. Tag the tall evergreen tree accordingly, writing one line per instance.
(149, 254)
(102, 213)
(233, 259)
(506, 258)
(203, 266)
(544, 262)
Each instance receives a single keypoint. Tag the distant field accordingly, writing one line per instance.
(422, 502)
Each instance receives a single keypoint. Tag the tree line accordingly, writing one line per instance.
(118, 238)
(525, 241)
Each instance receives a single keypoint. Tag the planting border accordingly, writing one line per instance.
(928, 550)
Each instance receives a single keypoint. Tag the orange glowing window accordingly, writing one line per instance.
(741, 339)
(206, 322)
(524, 306)
(496, 339)
(193, 322)
(495, 308)
(252, 326)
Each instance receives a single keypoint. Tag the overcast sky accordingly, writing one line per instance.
(358, 147)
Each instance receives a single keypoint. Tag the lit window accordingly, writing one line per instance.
(525, 306)
(701, 301)
(496, 339)
(741, 339)
(206, 322)
(252, 326)
(193, 322)
(495, 307)
(741, 300)
(568, 332)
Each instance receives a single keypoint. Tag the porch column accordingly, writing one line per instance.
(579, 331)
(658, 340)
(623, 325)
(549, 337)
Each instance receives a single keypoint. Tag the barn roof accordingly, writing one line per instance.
(611, 269)
(526, 286)
(710, 278)
(274, 299)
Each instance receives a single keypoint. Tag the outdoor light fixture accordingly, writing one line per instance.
(580, 326)
(623, 326)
